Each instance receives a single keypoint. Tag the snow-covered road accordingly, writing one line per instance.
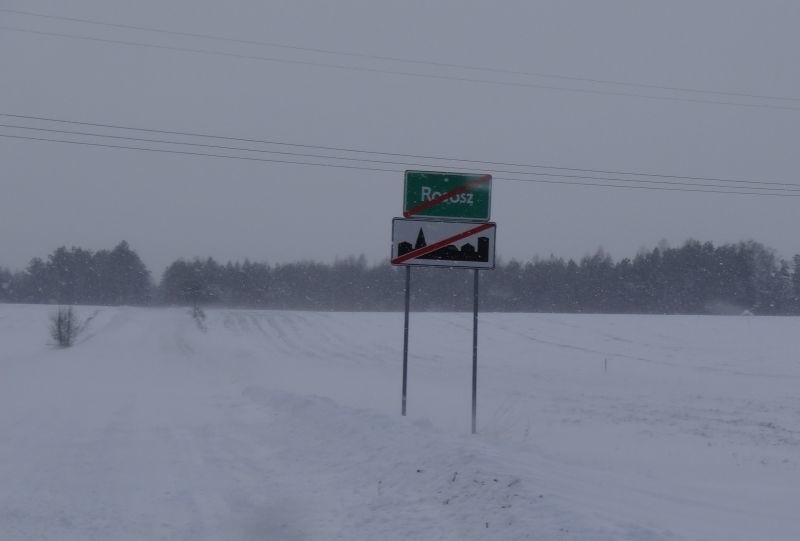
(285, 425)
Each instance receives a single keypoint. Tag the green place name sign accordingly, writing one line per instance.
(447, 195)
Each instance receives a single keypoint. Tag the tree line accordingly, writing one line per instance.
(78, 276)
(695, 278)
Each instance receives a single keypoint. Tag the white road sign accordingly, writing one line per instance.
(443, 243)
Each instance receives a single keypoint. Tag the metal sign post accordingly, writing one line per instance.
(405, 337)
(475, 355)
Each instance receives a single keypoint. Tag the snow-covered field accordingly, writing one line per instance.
(286, 426)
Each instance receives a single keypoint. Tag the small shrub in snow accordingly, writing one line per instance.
(199, 316)
(64, 326)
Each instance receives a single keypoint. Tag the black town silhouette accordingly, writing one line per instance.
(450, 252)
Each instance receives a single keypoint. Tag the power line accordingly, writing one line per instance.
(401, 155)
(364, 168)
(399, 59)
(364, 69)
(382, 162)
(188, 153)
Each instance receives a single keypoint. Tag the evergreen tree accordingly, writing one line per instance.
(193, 282)
(72, 277)
(5, 285)
(36, 286)
(595, 285)
(796, 284)
(122, 276)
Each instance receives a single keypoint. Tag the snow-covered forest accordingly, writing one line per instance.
(695, 278)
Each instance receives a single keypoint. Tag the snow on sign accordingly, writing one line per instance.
(443, 243)
(433, 194)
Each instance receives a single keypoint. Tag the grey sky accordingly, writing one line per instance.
(170, 206)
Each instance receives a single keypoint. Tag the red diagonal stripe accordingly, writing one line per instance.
(441, 244)
(447, 195)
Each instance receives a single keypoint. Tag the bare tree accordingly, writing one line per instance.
(64, 326)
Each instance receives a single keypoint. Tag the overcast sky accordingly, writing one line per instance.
(168, 205)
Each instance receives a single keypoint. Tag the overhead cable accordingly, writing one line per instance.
(473, 162)
(406, 60)
(380, 169)
(432, 76)
(384, 162)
